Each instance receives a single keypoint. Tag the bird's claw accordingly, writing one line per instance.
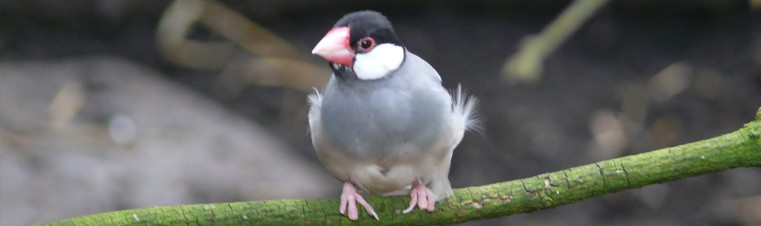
(422, 197)
(349, 199)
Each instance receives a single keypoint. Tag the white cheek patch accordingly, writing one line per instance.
(377, 63)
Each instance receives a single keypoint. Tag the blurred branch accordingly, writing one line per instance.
(276, 62)
(12, 140)
(176, 24)
(526, 65)
(755, 4)
(66, 104)
(245, 33)
(741, 148)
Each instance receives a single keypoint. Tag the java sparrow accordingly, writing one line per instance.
(384, 123)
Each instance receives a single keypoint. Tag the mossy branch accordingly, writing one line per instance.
(741, 148)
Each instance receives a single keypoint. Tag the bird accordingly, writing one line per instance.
(384, 124)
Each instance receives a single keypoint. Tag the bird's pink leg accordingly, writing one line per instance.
(349, 199)
(420, 196)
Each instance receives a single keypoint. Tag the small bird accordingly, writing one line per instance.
(384, 123)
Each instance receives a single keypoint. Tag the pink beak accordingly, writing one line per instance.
(334, 47)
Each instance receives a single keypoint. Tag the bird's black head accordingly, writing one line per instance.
(362, 45)
(368, 25)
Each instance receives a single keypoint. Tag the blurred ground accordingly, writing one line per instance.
(139, 141)
(635, 78)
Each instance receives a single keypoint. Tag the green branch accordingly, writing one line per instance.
(741, 148)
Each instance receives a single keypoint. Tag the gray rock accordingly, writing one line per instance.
(135, 140)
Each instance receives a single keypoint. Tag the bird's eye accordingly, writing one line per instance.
(366, 44)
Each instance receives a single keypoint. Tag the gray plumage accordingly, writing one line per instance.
(383, 134)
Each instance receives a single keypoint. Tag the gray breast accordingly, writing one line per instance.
(375, 119)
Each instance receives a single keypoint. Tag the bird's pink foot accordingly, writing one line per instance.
(420, 196)
(349, 200)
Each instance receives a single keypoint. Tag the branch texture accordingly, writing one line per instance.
(741, 148)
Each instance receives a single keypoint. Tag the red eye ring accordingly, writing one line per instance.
(366, 44)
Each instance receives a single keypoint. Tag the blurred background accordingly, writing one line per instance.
(119, 104)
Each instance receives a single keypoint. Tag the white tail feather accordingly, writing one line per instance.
(465, 109)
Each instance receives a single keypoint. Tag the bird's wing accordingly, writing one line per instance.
(424, 66)
(315, 103)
